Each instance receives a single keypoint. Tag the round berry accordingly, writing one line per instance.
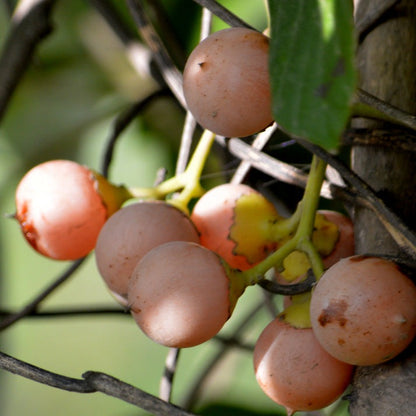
(234, 221)
(179, 294)
(226, 82)
(295, 371)
(60, 210)
(133, 231)
(363, 310)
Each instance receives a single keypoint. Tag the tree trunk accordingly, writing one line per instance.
(385, 157)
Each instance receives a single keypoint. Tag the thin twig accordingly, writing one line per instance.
(289, 290)
(31, 372)
(92, 382)
(386, 110)
(170, 73)
(206, 23)
(111, 15)
(123, 391)
(266, 163)
(223, 13)
(198, 384)
(186, 143)
(29, 25)
(33, 305)
(122, 121)
(258, 143)
(190, 122)
(157, 10)
(166, 382)
(403, 236)
(234, 342)
(139, 55)
(372, 16)
(63, 313)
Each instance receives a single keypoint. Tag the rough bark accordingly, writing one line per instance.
(385, 157)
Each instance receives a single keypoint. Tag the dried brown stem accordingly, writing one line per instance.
(170, 73)
(92, 382)
(33, 305)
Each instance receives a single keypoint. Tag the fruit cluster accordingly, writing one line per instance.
(181, 273)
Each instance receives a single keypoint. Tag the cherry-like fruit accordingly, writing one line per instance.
(295, 371)
(60, 209)
(181, 294)
(226, 82)
(363, 310)
(234, 220)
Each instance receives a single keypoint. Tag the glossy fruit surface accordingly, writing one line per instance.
(226, 82)
(295, 371)
(363, 310)
(234, 221)
(60, 210)
(133, 231)
(179, 294)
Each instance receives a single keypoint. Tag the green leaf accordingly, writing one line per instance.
(312, 69)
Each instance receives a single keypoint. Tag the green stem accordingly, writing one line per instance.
(286, 226)
(146, 193)
(302, 238)
(310, 203)
(189, 180)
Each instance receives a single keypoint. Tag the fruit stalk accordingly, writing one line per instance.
(302, 240)
(188, 180)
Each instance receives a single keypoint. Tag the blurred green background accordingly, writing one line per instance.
(64, 107)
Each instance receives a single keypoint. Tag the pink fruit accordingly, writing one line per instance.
(234, 220)
(226, 82)
(295, 371)
(60, 210)
(363, 310)
(133, 231)
(179, 294)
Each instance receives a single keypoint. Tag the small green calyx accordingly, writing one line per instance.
(297, 313)
(253, 215)
(238, 282)
(325, 235)
(113, 196)
(295, 265)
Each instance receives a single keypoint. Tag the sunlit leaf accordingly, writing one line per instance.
(313, 75)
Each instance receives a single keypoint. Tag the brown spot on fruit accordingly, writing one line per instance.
(334, 312)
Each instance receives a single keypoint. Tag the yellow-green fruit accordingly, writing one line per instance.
(235, 222)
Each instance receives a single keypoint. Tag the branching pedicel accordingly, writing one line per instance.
(282, 238)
